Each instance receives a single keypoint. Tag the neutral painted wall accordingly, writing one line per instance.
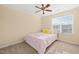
(14, 25)
(46, 21)
(71, 38)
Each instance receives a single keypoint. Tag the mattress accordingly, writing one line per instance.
(40, 41)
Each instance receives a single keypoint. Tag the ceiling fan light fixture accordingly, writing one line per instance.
(43, 8)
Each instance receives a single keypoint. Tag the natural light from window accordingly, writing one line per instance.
(62, 24)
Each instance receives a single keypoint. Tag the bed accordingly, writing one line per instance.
(40, 41)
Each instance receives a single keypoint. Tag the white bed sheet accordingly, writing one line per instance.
(40, 41)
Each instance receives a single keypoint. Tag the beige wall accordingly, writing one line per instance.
(46, 21)
(71, 38)
(14, 25)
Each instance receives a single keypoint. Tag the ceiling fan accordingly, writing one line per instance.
(43, 8)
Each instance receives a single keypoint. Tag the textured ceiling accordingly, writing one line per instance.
(30, 8)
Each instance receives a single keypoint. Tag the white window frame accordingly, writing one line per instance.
(61, 26)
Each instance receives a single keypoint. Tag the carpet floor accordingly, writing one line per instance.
(57, 47)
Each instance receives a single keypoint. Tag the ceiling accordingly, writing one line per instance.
(30, 8)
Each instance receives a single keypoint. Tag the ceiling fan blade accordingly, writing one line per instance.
(49, 10)
(47, 5)
(37, 11)
(37, 7)
(42, 5)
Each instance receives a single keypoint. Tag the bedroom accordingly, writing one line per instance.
(19, 20)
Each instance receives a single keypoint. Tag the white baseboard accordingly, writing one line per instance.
(6, 44)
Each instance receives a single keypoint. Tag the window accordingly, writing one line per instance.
(62, 24)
